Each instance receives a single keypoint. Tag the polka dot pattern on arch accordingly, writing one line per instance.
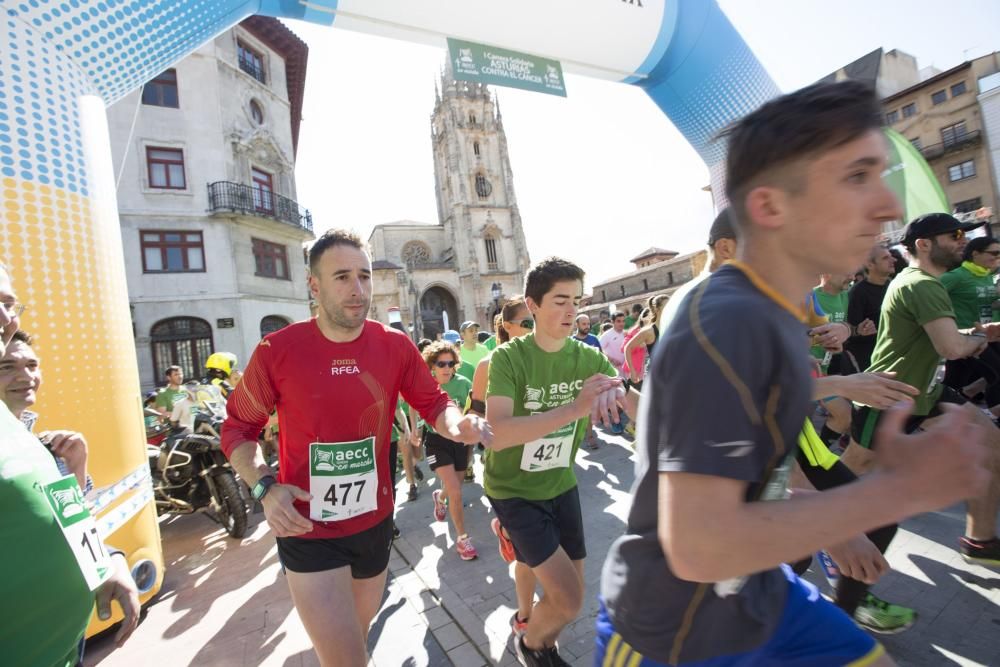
(121, 44)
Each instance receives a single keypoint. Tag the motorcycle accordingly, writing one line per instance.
(189, 470)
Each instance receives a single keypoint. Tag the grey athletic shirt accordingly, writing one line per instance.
(732, 362)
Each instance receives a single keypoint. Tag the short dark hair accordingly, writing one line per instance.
(792, 127)
(978, 244)
(636, 307)
(22, 336)
(606, 327)
(329, 239)
(621, 314)
(170, 370)
(422, 343)
(542, 276)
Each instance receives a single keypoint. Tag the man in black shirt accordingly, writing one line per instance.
(864, 305)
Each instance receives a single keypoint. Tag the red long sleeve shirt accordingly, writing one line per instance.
(330, 392)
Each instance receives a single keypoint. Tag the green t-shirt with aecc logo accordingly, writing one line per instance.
(45, 602)
(538, 381)
(902, 346)
(972, 294)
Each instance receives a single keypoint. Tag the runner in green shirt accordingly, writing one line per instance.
(916, 329)
(831, 294)
(973, 295)
(970, 286)
(472, 352)
(542, 390)
(447, 458)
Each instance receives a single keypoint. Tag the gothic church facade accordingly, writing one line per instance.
(440, 274)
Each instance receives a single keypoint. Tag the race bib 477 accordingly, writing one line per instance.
(343, 479)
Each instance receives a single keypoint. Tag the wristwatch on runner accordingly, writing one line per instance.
(260, 488)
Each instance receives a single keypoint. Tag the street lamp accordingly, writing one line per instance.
(496, 291)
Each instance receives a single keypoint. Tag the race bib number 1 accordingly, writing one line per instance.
(343, 479)
(79, 529)
(552, 451)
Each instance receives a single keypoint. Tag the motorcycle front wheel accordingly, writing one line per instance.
(232, 510)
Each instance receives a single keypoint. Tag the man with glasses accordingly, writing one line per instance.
(916, 330)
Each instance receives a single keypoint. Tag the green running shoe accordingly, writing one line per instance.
(883, 617)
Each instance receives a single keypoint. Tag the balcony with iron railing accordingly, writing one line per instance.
(251, 65)
(952, 145)
(225, 196)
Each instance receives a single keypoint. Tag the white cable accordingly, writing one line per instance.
(128, 143)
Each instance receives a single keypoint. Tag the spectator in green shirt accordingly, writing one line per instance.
(173, 392)
(974, 299)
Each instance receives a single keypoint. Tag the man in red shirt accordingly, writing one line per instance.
(334, 381)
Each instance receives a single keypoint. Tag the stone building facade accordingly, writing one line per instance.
(451, 270)
(942, 117)
(657, 271)
(212, 233)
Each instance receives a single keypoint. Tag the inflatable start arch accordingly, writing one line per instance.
(63, 61)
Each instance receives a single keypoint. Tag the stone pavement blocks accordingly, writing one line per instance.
(435, 617)
(466, 655)
(449, 636)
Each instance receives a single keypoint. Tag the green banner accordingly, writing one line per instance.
(503, 67)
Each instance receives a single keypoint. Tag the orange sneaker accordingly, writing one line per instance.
(505, 545)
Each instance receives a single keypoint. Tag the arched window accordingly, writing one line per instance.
(492, 261)
(181, 341)
(272, 323)
(483, 187)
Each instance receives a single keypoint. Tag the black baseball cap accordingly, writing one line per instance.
(722, 227)
(930, 225)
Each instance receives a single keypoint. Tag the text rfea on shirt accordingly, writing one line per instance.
(344, 367)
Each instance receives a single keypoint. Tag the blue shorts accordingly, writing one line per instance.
(812, 633)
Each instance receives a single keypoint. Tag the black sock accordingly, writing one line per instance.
(850, 592)
(829, 436)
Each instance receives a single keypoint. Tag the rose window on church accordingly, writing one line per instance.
(416, 253)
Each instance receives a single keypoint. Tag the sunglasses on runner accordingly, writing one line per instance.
(957, 234)
(446, 364)
(524, 324)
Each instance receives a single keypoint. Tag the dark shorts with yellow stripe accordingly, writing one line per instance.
(864, 420)
(812, 633)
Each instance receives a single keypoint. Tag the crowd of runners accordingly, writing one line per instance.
(781, 385)
(785, 406)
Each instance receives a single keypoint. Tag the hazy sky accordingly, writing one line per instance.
(602, 174)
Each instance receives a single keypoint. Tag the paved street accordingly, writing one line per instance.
(226, 603)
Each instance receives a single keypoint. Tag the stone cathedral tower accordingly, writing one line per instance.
(475, 192)
(477, 248)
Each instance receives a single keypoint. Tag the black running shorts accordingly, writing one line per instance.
(864, 420)
(367, 552)
(539, 527)
(440, 451)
